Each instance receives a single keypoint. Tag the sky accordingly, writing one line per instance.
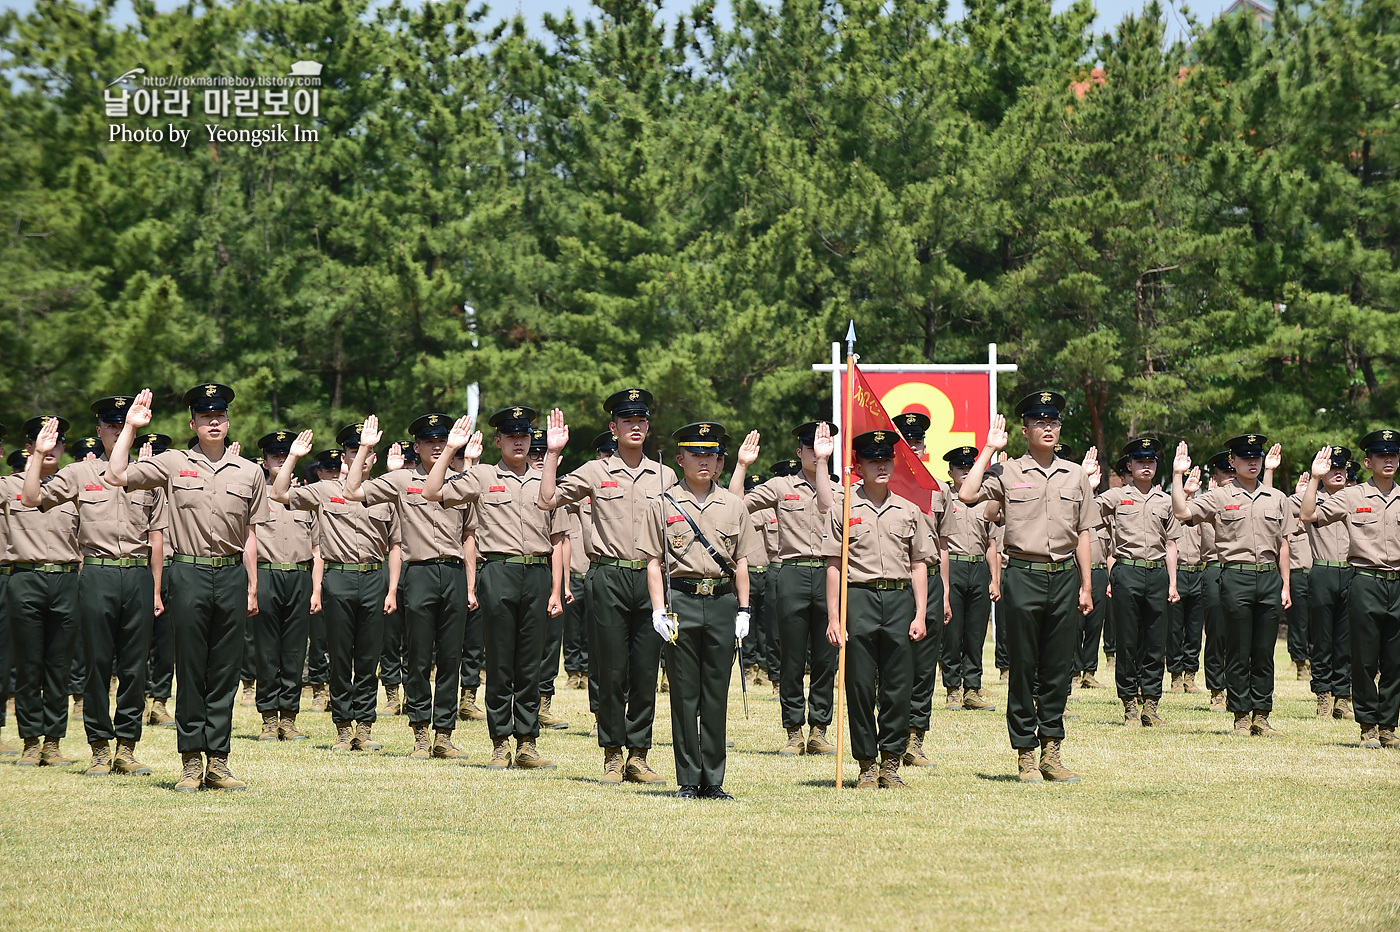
(1110, 11)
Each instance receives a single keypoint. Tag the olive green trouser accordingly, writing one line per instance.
(698, 665)
(879, 670)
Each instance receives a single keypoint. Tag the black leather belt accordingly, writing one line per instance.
(881, 584)
(701, 586)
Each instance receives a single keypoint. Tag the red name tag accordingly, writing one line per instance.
(413, 490)
(18, 496)
(338, 501)
(791, 498)
(1023, 485)
(610, 484)
(189, 474)
(674, 518)
(498, 488)
(92, 488)
(772, 520)
(1363, 510)
(1126, 501)
(855, 521)
(1232, 507)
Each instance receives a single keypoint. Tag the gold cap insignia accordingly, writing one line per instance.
(516, 412)
(360, 426)
(633, 395)
(120, 402)
(45, 420)
(211, 390)
(281, 435)
(1147, 444)
(704, 429)
(1387, 435)
(879, 436)
(432, 420)
(1251, 439)
(1045, 398)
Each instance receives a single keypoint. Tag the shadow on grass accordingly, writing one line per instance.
(999, 777)
(826, 784)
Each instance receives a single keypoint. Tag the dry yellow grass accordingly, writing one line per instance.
(1174, 828)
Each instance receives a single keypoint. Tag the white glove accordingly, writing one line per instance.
(741, 625)
(663, 624)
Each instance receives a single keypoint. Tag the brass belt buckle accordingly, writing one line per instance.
(705, 587)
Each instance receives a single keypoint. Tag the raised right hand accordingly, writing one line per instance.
(460, 433)
(139, 414)
(302, 445)
(996, 434)
(556, 432)
(822, 444)
(1192, 483)
(370, 434)
(1182, 461)
(748, 450)
(47, 438)
(1322, 463)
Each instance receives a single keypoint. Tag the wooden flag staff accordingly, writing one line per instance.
(846, 466)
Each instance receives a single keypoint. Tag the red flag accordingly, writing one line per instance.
(911, 478)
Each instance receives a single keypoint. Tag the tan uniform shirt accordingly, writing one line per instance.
(38, 535)
(1188, 546)
(883, 540)
(287, 535)
(349, 532)
(1209, 552)
(1372, 522)
(622, 500)
(429, 530)
(113, 523)
(721, 517)
(802, 529)
(1248, 528)
(770, 538)
(1142, 522)
(212, 504)
(509, 520)
(1300, 556)
(578, 549)
(1043, 508)
(760, 532)
(1330, 542)
(967, 528)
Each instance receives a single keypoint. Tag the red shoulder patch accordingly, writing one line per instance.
(89, 487)
(497, 488)
(674, 518)
(189, 474)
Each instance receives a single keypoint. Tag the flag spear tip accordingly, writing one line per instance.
(851, 332)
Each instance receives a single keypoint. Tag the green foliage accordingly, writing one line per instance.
(1190, 240)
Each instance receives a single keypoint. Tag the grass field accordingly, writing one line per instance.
(1175, 828)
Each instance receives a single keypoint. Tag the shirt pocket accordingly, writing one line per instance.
(1366, 526)
(728, 534)
(186, 490)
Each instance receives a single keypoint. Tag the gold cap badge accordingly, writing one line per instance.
(879, 436)
(120, 402)
(704, 429)
(432, 420)
(211, 390)
(516, 412)
(1045, 398)
(633, 395)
